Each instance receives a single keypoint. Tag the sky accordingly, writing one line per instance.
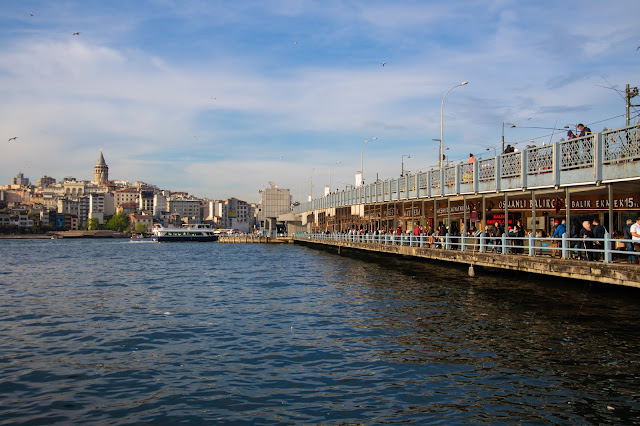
(219, 98)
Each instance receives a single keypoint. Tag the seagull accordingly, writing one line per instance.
(31, 13)
(13, 138)
(383, 64)
(295, 42)
(76, 33)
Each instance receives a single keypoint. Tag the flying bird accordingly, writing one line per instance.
(31, 13)
(13, 138)
(383, 64)
(76, 33)
(295, 42)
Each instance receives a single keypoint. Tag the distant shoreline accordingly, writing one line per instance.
(24, 236)
(69, 234)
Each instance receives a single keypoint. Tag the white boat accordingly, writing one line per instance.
(185, 233)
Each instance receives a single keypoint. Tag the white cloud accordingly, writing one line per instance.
(139, 83)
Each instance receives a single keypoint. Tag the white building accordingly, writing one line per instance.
(101, 205)
(160, 204)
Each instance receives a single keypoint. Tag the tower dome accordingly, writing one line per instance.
(101, 171)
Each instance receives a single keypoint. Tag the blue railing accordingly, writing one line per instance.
(600, 249)
(603, 157)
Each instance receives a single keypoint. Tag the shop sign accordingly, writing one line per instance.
(620, 202)
(499, 217)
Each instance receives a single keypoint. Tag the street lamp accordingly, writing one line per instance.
(442, 118)
(403, 156)
(503, 124)
(362, 158)
(330, 168)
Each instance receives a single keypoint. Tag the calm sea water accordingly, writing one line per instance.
(117, 332)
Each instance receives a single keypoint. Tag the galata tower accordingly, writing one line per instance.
(101, 171)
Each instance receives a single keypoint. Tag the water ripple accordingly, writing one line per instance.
(112, 332)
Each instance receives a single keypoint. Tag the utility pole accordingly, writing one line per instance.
(630, 92)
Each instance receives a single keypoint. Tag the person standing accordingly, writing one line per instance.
(635, 237)
(519, 232)
(598, 233)
(559, 231)
(587, 234)
(626, 234)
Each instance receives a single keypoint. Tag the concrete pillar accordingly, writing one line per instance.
(567, 206)
(533, 211)
(610, 188)
(484, 214)
(506, 211)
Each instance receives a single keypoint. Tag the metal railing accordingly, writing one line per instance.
(607, 156)
(598, 249)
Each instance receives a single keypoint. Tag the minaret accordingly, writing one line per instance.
(101, 171)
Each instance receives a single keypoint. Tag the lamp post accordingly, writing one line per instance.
(503, 124)
(330, 168)
(403, 156)
(362, 158)
(439, 152)
(442, 118)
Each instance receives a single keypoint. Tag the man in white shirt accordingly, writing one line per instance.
(635, 238)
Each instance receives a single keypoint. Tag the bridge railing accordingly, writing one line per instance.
(598, 157)
(597, 249)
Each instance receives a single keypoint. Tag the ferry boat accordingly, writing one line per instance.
(185, 233)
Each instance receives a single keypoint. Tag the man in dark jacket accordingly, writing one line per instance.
(584, 131)
(626, 234)
(587, 235)
(598, 232)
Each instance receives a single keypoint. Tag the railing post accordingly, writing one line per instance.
(446, 244)
(532, 245)
(462, 247)
(482, 247)
(608, 256)
(504, 242)
(565, 246)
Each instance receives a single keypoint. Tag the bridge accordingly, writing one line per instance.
(526, 254)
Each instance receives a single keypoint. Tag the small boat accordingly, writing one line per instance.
(186, 233)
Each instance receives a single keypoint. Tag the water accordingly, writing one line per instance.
(118, 332)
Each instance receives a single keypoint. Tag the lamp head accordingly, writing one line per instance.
(463, 83)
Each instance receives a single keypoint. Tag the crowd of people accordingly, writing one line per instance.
(586, 241)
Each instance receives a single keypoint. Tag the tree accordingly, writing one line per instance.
(93, 224)
(141, 228)
(118, 222)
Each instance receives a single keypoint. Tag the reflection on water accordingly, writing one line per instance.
(120, 332)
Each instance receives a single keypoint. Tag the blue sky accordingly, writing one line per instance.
(219, 98)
